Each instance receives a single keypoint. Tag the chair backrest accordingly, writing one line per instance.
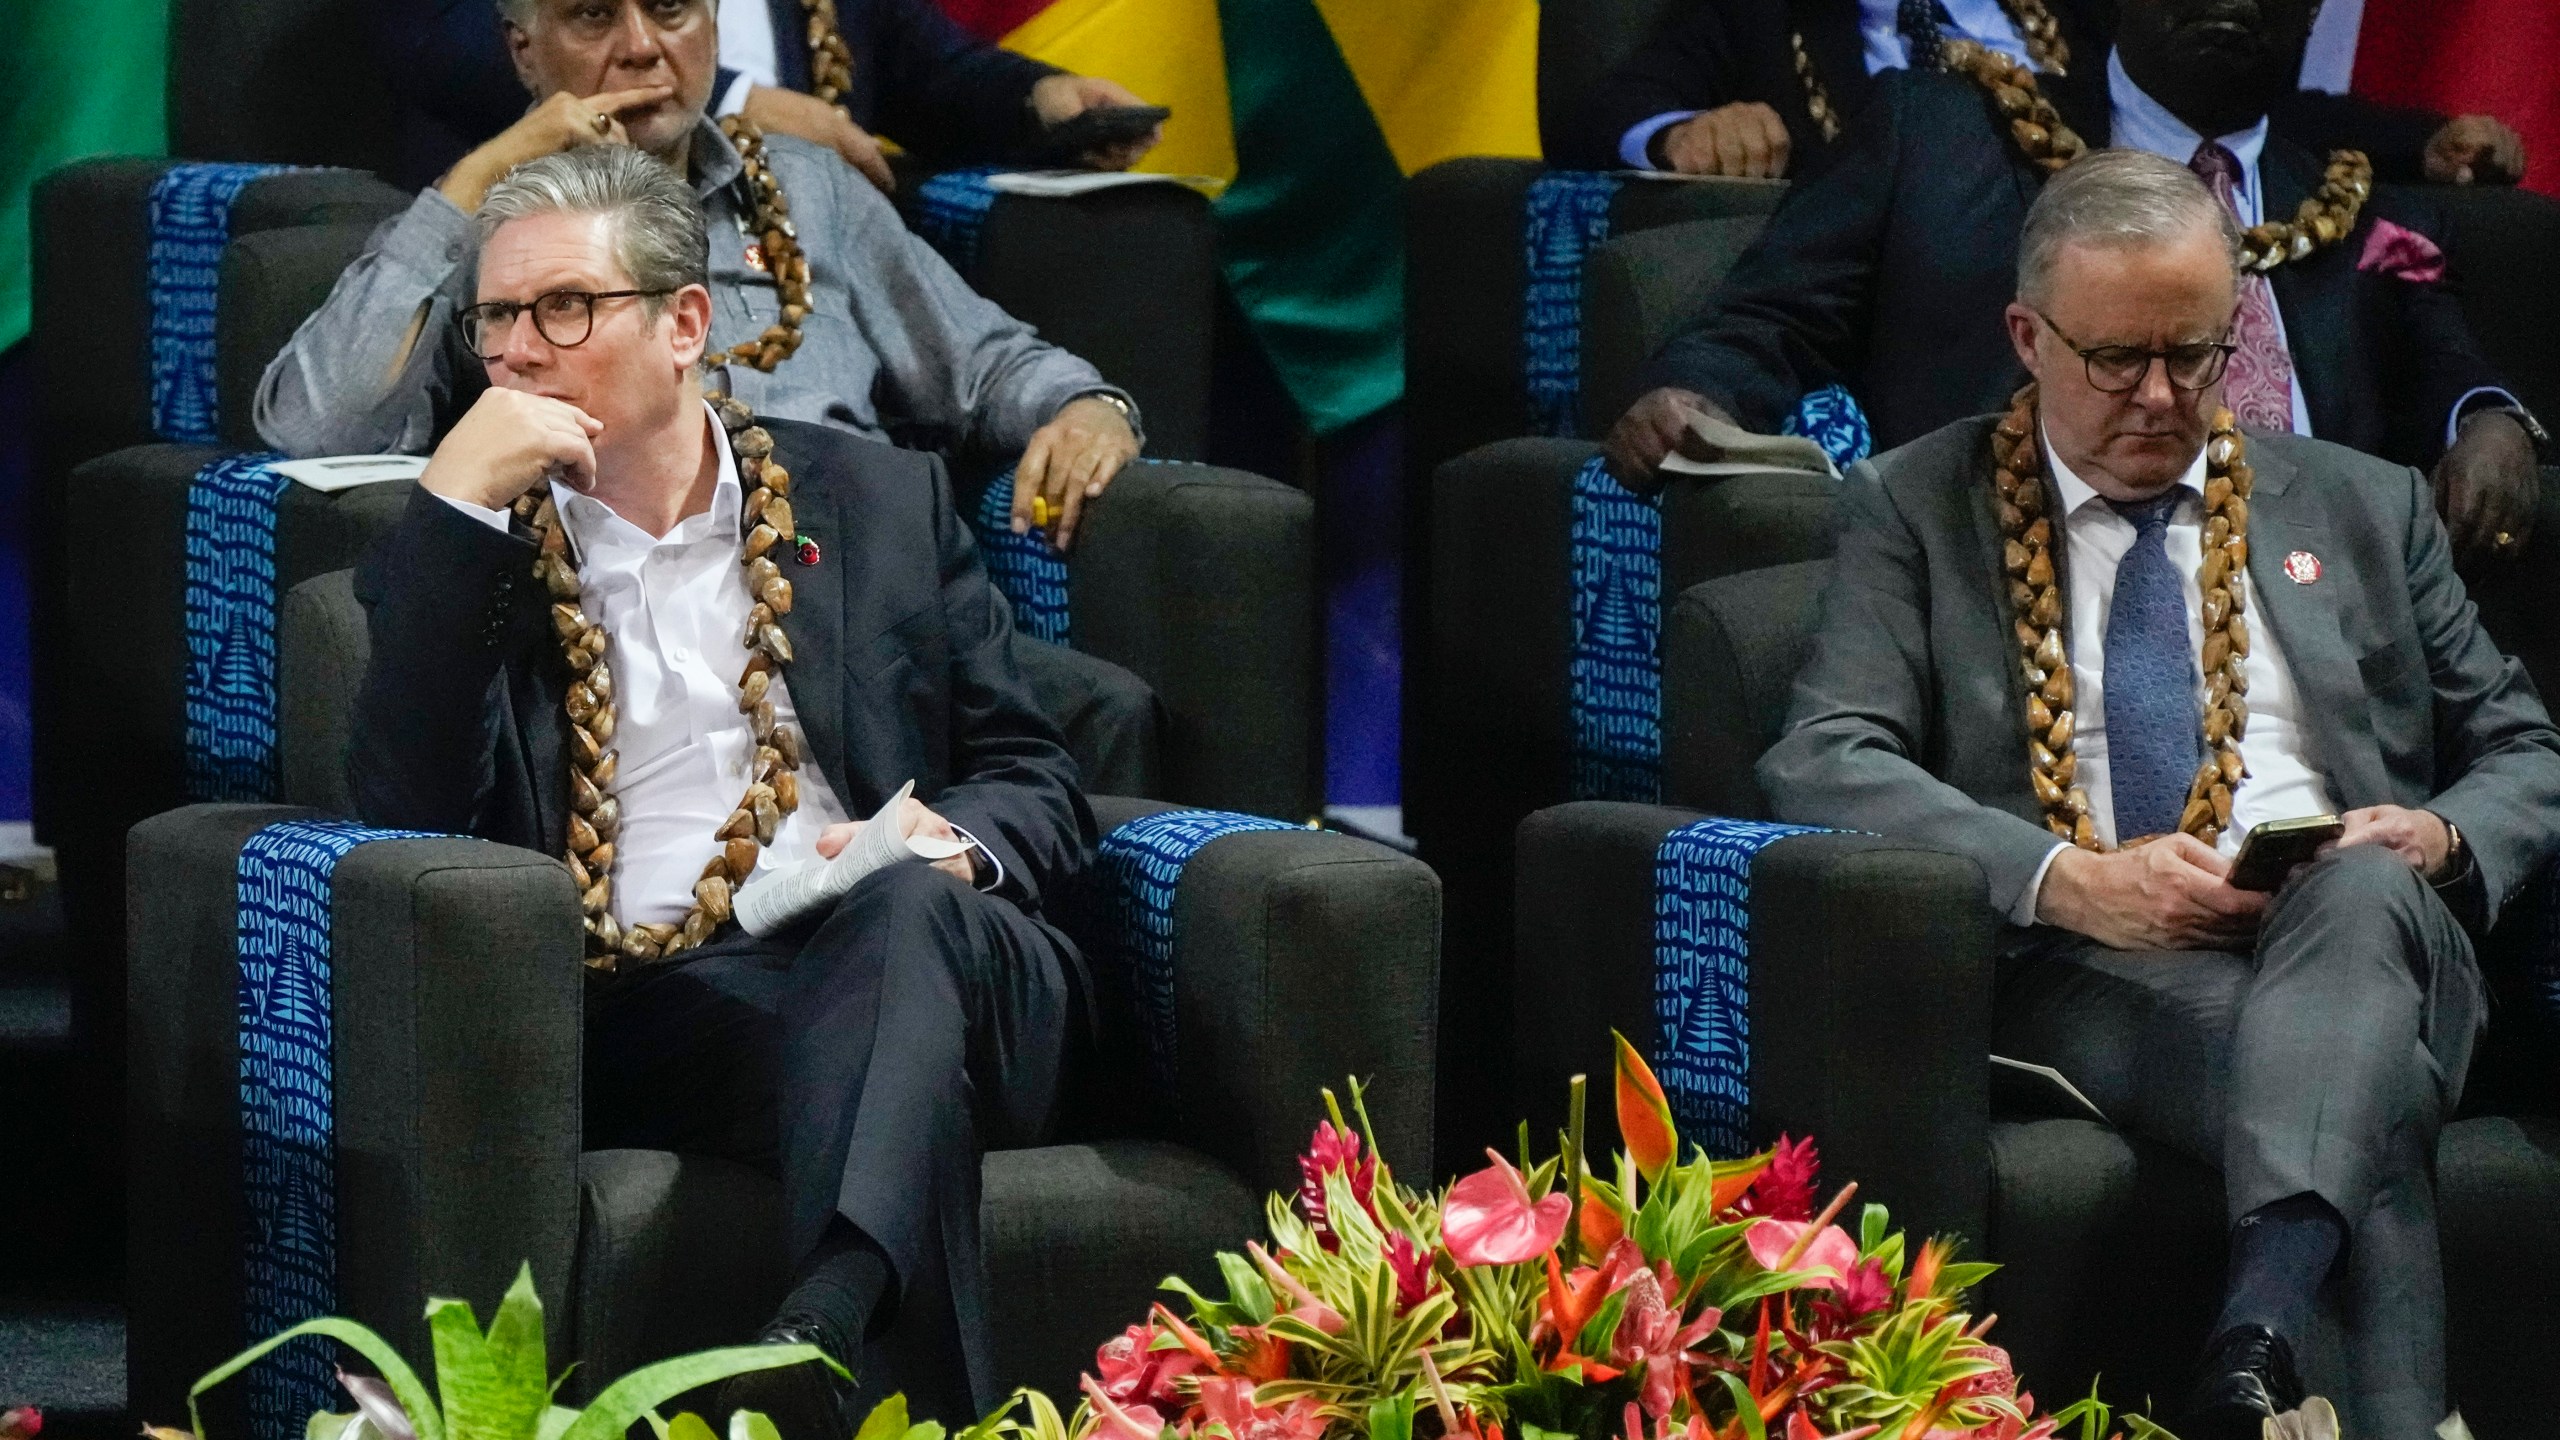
(271, 282)
(1640, 290)
(2500, 248)
(1581, 41)
(284, 80)
(1730, 651)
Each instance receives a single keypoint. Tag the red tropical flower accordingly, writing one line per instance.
(1133, 1422)
(1134, 1372)
(1489, 1218)
(1412, 1265)
(1650, 1334)
(1771, 1242)
(1862, 1290)
(1230, 1403)
(1333, 1152)
(1644, 1115)
(1785, 1189)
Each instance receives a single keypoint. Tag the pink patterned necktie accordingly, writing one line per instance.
(2258, 386)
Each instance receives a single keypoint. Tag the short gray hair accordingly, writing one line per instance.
(658, 233)
(2117, 198)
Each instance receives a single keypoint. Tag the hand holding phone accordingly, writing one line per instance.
(2271, 850)
(1100, 128)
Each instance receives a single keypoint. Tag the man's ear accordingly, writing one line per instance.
(520, 52)
(689, 315)
(2022, 325)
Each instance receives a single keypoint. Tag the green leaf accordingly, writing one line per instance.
(887, 1421)
(324, 1425)
(751, 1425)
(689, 1426)
(1745, 1409)
(494, 1385)
(1391, 1417)
(557, 1419)
(395, 1371)
(1873, 1224)
(1248, 1294)
(1602, 1328)
(627, 1399)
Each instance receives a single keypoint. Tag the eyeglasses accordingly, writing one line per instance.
(2116, 369)
(563, 317)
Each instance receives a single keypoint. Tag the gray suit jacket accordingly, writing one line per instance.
(1909, 715)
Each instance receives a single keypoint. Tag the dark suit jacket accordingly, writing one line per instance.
(1889, 272)
(917, 77)
(1909, 714)
(903, 667)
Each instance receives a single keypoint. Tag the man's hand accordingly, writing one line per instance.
(2417, 836)
(507, 443)
(914, 818)
(1069, 461)
(1653, 427)
(561, 122)
(2488, 488)
(2169, 894)
(1744, 138)
(2475, 148)
(791, 113)
(1059, 98)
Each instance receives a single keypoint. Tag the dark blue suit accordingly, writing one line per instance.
(918, 78)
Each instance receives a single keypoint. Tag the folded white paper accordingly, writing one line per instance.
(1055, 183)
(1674, 177)
(1732, 450)
(345, 472)
(770, 902)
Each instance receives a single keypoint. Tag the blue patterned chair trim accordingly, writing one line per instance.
(288, 1147)
(1832, 419)
(1141, 862)
(1564, 218)
(1702, 976)
(1026, 567)
(1617, 624)
(231, 629)
(951, 214)
(190, 228)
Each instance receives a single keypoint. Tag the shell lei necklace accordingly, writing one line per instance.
(2037, 30)
(2024, 507)
(773, 791)
(768, 222)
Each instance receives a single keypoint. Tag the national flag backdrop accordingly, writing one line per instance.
(2455, 57)
(1313, 111)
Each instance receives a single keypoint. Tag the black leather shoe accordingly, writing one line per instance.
(804, 1402)
(2247, 1376)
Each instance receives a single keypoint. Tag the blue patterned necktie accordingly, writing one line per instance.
(2154, 740)
(1918, 20)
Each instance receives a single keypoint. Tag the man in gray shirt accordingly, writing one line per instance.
(891, 334)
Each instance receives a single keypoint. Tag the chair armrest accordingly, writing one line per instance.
(1870, 993)
(1201, 580)
(456, 996)
(1301, 958)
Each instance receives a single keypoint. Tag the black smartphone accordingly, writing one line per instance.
(1066, 142)
(2272, 850)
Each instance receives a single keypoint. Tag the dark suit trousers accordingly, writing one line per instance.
(867, 1059)
(2326, 1062)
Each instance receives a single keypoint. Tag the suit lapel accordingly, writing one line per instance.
(2338, 729)
(818, 671)
(2315, 314)
(1829, 29)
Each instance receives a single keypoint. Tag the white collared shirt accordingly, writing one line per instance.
(2281, 783)
(746, 46)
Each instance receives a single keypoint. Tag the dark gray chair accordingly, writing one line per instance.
(1302, 957)
(1869, 1015)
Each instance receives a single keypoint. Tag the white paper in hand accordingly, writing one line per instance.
(789, 892)
(1732, 450)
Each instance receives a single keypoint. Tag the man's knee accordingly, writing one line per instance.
(2366, 892)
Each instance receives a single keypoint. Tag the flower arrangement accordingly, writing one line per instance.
(1667, 1297)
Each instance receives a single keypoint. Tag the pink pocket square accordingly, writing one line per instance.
(2402, 253)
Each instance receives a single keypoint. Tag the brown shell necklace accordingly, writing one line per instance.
(773, 791)
(2037, 30)
(2025, 510)
(769, 219)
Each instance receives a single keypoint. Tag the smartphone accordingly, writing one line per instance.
(1067, 141)
(2272, 850)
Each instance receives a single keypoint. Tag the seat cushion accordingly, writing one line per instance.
(681, 1252)
(2497, 1192)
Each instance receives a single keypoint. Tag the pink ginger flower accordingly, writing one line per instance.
(1832, 1250)
(1650, 1334)
(1862, 1290)
(1489, 1218)
(1135, 1373)
(2000, 1380)
(1118, 1422)
(1412, 1265)
(1230, 1403)
(1784, 1189)
(1334, 1151)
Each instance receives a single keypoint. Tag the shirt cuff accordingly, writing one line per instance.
(1636, 146)
(733, 100)
(2478, 397)
(494, 519)
(2024, 912)
(984, 865)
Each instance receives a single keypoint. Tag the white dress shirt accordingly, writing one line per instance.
(746, 46)
(2281, 783)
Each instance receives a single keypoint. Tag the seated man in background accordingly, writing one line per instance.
(2248, 628)
(1887, 272)
(1764, 87)
(866, 1052)
(899, 67)
(849, 321)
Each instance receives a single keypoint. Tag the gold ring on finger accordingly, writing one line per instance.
(602, 122)
(2504, 540)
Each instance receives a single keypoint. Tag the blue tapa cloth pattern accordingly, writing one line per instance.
(1617, 623)
(1141, 863)
(190, 226)
(1702, 976)
(288, 1149)
(1830, 418)
(231, 629)
(1565, 217)
(1026, 567)
(951, 213)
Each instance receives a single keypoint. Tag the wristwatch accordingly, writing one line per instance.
(2457, 856)
(1115, 402)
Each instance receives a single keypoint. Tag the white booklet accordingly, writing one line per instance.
(345, 472)
(2024, 1087)
(1055, 183)
(1733, 450)
(770, 902)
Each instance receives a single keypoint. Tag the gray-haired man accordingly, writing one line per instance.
(2108, 616)
(892, 336)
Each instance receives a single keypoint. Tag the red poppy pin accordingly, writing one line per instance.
(804, 549)
(2302, 567)
(755, 257)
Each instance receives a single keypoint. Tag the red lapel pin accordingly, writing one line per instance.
(2302, 567)
(804, 549)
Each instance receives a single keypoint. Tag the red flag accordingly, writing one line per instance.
(2471, 57)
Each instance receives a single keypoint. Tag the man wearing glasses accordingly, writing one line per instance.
(2091, 644)
(1886, 271)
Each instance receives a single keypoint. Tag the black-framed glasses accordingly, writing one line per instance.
(563, 317)
(2116, 369)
